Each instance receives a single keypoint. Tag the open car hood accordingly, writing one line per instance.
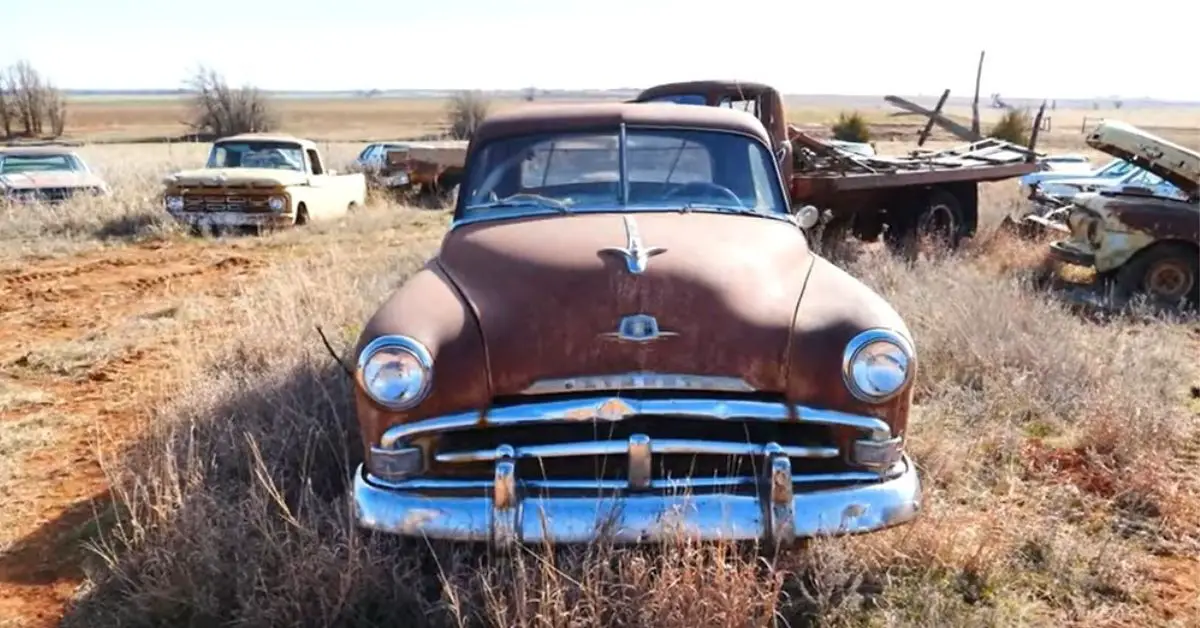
(1175, 163)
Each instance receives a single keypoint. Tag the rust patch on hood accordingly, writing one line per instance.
(550, 299)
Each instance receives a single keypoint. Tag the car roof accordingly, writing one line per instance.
(267, 137)
(23, 151)
(531, 119)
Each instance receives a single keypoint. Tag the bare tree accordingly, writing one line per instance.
(219, 110)
(28, 98)
(465, 112)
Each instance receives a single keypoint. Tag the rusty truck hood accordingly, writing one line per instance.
(550, 294)
(255, 177)
(1177, 164)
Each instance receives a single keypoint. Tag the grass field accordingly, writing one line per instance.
(174, 439)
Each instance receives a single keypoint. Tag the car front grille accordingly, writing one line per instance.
(201, 201)
(634, 441)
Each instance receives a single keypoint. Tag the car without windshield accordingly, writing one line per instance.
(45, 174)
(262, 181)
(625, 335)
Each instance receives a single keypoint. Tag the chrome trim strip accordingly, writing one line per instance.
(621, 447)
(611, 408)
(639, 380)
(669, 484)
(639, 518)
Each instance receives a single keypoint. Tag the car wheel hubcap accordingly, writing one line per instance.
(1169, 280)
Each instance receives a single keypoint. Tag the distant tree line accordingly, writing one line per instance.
(30, 105)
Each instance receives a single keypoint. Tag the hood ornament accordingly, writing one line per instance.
(636, 255)
(638, 328)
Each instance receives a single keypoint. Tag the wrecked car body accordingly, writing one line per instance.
(626, 336)
(1139, 241)
(46, 174)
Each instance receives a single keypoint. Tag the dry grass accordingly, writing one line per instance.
(1051, 448)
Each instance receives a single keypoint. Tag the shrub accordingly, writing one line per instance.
(851, 128)
(465, 112)
(1013, 126)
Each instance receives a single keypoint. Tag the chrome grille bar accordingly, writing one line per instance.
(441, 484)
(656, 446)
(614, 408)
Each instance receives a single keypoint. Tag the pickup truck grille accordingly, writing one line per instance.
(201, 201)
(636, 441)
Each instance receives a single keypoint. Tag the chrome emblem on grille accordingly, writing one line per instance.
(638, 328)
(636, 255)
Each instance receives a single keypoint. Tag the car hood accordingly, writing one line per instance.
(257, 177)
(49, 179)
(550, 292)
(1175, 163)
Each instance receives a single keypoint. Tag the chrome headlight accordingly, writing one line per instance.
(174, 203)
(395, 371)
(878, 364)
(276, 203)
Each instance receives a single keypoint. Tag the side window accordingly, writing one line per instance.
(315, 160)
(680, 99)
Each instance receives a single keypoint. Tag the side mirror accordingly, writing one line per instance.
(807, 217)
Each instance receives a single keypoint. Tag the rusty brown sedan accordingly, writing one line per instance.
(625, 335)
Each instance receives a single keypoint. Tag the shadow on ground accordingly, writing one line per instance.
(238, 513)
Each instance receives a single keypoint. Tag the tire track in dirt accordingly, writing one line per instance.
(63, 305)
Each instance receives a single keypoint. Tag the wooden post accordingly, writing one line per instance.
(937, 111)
(975, 103)
(1033, 135)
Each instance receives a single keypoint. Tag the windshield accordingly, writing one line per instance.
(278, 155)
(15, 164)
(665, 170)
(1116, 168)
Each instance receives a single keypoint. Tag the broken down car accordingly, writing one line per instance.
(262, 181)
(625, 335)
(46, 174)
(1139, 240)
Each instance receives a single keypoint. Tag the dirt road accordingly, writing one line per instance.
(85, 344)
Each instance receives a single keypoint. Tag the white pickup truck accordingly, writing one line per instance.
(262, 181)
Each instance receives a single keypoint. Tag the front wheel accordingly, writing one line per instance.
(1164, 272)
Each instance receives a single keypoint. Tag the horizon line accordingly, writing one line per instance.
(610, 90)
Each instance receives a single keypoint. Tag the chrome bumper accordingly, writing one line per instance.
(232, 219)
(501, 515)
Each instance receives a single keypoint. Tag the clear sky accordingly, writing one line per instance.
(1035, 48)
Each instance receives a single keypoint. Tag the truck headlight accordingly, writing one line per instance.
(174, 203)
(395, 371)
(276, 203)
(877, 364)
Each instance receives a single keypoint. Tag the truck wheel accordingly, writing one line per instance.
(942, 219)
(301, 215)
(1165, 272)
(936, 219)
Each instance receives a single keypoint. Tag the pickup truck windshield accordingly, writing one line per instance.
(665, 170)
(278, 155)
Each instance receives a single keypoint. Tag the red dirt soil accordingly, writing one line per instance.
(53, 490)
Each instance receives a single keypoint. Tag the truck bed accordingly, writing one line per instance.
(822, 168)
(439, 153)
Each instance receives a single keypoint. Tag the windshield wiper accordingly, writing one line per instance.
(526, 200)
(746, 211)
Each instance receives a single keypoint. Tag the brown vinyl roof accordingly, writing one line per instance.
(585, 116)
(750, 88)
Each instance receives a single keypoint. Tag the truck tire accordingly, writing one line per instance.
(936, 217)
(301, 215)
(1166, 272)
